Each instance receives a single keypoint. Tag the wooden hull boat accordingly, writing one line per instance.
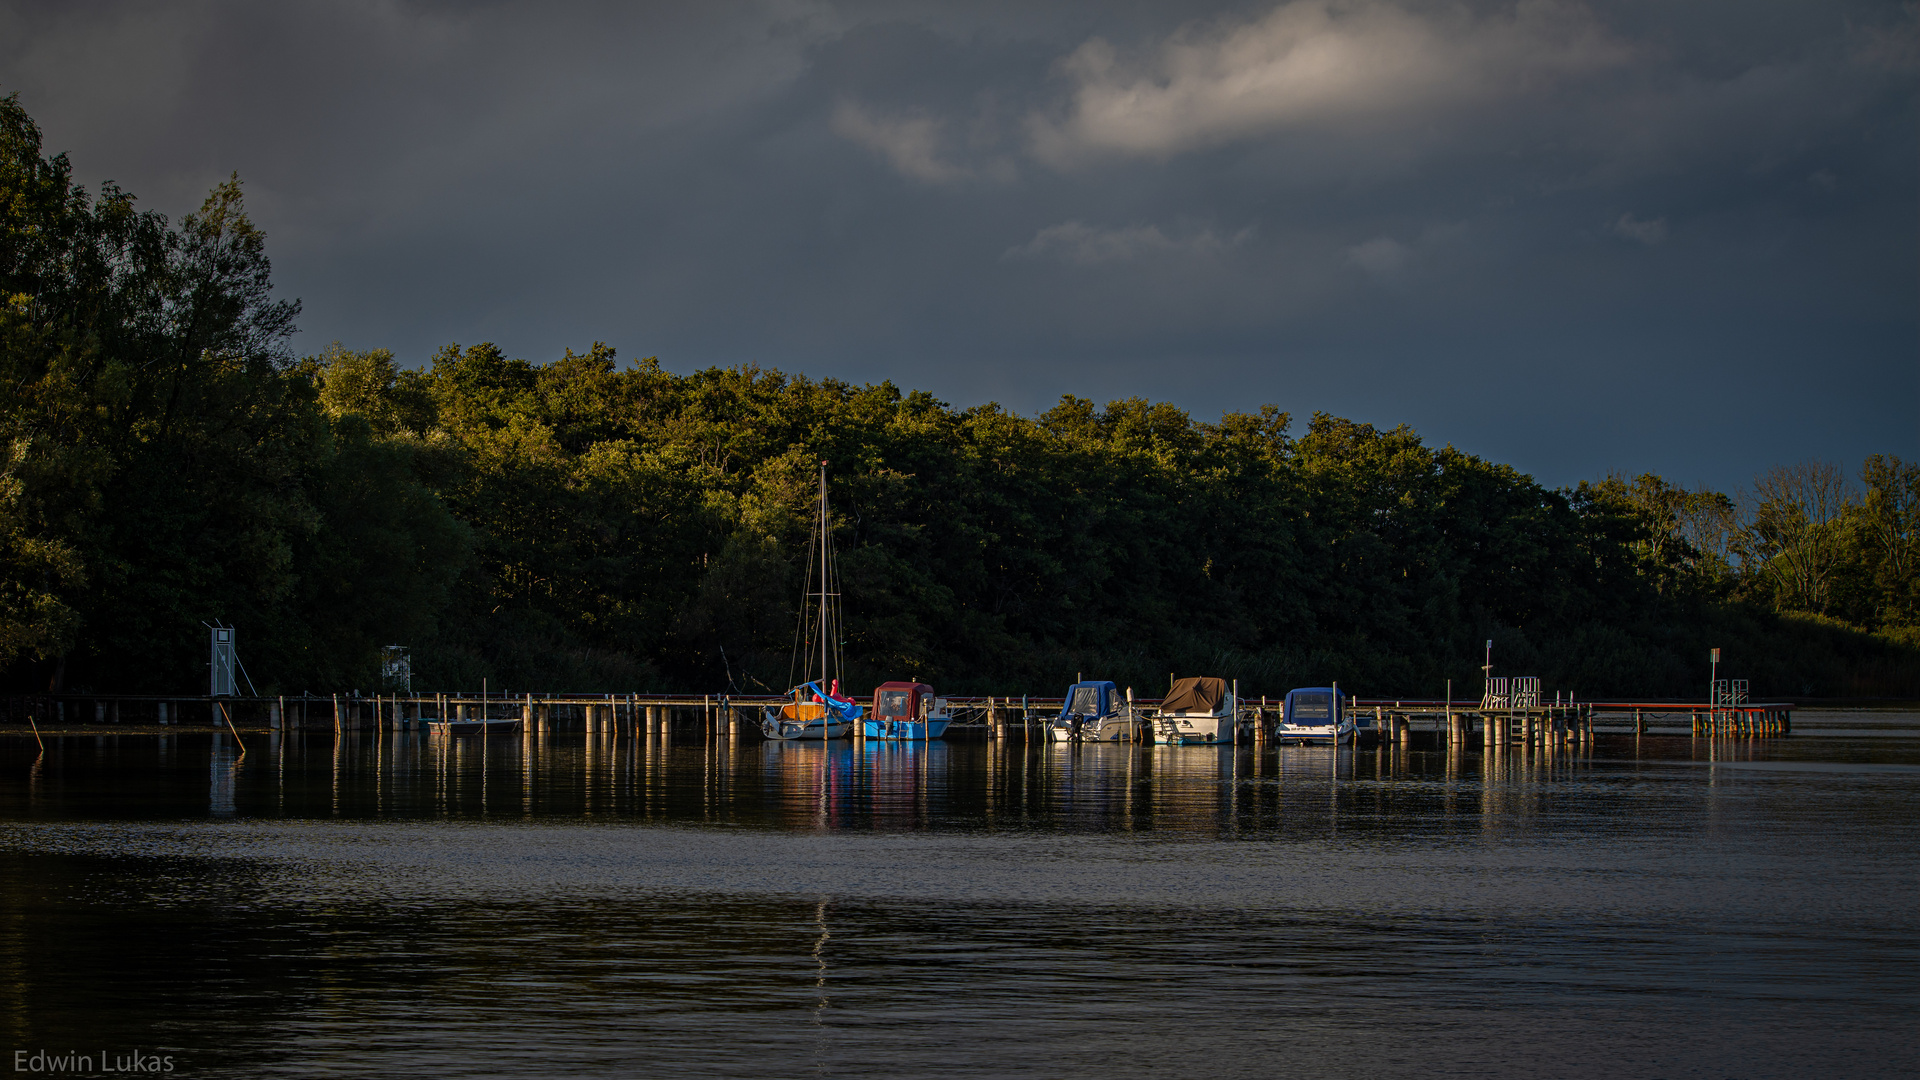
(474, 727)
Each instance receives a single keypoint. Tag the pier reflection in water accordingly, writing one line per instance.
(559, 904)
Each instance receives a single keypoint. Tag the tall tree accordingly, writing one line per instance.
(1889, 520)
(1796, 530)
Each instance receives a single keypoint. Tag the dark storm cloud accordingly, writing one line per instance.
(1576, 237)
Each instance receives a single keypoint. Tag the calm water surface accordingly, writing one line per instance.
(404, 905)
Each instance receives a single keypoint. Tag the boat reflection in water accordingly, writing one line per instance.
(879, 782)
(1075, 788)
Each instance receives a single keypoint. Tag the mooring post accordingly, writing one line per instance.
(337, 723)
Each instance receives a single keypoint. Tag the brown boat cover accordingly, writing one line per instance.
(1195, 696)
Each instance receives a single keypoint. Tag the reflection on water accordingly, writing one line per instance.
(554, 904)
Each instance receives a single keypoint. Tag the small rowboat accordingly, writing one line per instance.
(474, 727)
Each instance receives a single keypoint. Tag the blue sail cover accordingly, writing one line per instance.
(848, 711)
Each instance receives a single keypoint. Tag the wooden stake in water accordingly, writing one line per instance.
(236, 731)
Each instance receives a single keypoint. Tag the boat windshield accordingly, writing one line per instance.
(1313, 707)
(1085, 701)
(893, 703)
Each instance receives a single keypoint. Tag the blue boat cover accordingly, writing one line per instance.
(1089, 699)
(839, 710)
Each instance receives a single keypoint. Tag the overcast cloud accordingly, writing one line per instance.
(1575, 237)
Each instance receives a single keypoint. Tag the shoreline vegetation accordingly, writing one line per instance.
(587, 524)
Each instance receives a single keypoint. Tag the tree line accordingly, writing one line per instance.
(588, 524)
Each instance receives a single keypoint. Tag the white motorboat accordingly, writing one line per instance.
(1314, 714)
(1197, 711)
(1093, 712)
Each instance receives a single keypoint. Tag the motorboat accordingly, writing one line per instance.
(907, 712)
(1197, 710)
(1315, 714)
(1092, 712)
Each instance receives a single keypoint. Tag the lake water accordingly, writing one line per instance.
(403, 905)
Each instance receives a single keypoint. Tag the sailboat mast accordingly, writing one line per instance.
(826, 624)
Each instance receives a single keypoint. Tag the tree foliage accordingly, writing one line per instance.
(588, 525)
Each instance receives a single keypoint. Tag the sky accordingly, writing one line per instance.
(1576, 238)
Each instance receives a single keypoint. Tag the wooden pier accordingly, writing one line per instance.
(1402, 722)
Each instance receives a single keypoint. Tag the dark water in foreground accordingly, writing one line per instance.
(396, 906)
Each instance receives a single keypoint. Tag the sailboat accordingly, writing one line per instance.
(817, 710)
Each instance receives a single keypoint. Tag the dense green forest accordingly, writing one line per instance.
(586, 524)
